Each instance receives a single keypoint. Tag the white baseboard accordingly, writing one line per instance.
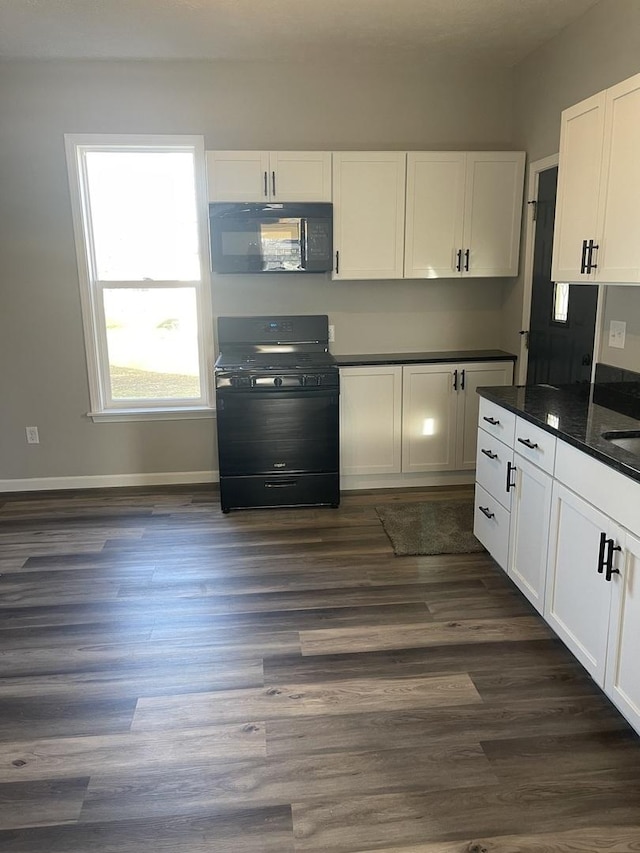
(106, 481)
(167, 478)
(404, 481)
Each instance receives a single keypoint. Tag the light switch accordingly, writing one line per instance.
(617, 333)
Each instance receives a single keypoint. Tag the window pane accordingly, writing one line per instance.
(152, 342)
(143, 215)
(560, 301)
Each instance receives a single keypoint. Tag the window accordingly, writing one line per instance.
(139, 208)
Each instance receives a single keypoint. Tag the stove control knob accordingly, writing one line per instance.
(277, 381)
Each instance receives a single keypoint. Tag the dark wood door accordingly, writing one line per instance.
(563, 317)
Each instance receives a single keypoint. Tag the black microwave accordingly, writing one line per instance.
(271, 238)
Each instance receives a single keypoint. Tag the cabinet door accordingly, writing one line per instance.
(429, 406)
(493, 213)
(300, 175)
(435, 209)
(529, 534)
(368, 214)
(622, 683)
(577, 598)
(581, 142)
(238, 175)
(618, 255)
(370, 420)
(470, 377)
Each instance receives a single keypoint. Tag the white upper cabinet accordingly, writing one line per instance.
(435, 214)
(493, 213)
(580, 163)
(368, 214)
(269, 175)
(597, 228)
(464, 211)
(618, 256)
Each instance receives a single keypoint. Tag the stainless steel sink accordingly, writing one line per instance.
(628, 439)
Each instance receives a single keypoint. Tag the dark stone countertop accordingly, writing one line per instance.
(424, 357)
(572, 414)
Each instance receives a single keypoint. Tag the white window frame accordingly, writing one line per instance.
(91, 289)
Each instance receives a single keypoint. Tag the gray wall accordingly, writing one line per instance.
(234, 105)
(600, 49)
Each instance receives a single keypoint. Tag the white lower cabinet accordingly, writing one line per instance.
(529, 532)
(370, 419)
(578, 600)
(440, 413)
(416, 418)
(622, 679)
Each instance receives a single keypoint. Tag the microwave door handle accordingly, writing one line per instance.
(303, 244)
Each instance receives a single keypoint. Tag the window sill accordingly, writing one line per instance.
(122, 415)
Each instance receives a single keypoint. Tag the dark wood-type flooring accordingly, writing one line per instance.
(176, 680)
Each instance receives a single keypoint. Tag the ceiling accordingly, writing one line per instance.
(495, 32)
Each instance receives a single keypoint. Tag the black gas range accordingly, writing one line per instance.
(277, 400)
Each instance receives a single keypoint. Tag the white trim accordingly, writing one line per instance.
(532, 193)
(404, 481)
(102, 481)
(598, 335)
(167, 478)
(175, 414)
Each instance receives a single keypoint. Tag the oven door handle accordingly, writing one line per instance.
(280, 484)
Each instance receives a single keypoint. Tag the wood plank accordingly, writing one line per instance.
(55, 801)
(345, 640)
(594, 839)
(418, 727)
(408, 818)
(254, 831)
(130, 682)
(264, 782)
(48, 717)
(476, 658)
(55, 758)
(604, 755)
(304, 700)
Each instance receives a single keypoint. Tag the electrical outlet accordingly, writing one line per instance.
(332, 334)
(617, 333)
(32, 435)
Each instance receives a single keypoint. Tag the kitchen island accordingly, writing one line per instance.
(558, 507)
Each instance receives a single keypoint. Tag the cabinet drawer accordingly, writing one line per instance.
(535, 444)
(491, 526)
(491, 467)
(497, 421)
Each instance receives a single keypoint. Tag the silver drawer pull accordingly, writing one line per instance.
(488, 453)
(527, 443)
(491, 421)
(485, 511)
